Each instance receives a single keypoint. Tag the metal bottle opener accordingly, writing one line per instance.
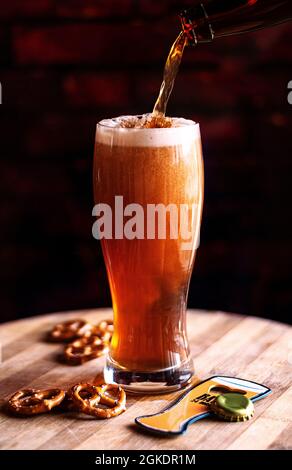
(193, 404)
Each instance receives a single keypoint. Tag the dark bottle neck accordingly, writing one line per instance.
(210, 19)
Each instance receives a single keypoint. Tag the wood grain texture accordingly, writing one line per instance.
(247, 347)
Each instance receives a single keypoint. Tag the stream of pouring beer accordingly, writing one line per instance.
(169, 74)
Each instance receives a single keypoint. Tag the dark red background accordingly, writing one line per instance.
(64, 64)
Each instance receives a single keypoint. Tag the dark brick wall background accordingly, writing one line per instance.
(64, 64)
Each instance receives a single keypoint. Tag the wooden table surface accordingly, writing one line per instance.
(246, 347)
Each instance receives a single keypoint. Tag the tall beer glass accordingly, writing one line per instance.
(152, 181)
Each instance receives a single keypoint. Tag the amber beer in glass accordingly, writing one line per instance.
(149, 275)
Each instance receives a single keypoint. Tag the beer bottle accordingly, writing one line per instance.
(210, 19)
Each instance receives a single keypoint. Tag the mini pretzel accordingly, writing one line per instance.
(106, 325)
(85, 349)
(105, 336)
(91, 405)
(103, 329)
(116, 405)
(83, 397)
(31, 401)
(106, 329)
(67, 404)
(68, 330)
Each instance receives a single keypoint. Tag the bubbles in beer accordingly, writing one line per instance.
(146, 121)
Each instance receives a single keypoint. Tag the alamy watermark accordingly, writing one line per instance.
(150, 221)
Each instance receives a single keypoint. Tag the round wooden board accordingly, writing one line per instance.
(221, 343)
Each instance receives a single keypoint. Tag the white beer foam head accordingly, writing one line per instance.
(111, 132)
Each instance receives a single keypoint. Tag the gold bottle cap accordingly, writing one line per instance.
(233, 407)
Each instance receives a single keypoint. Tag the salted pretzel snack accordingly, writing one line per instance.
(32, 402)
(67, 404)
(69, 330)
(83, 396)
(106, 329)
(106, 325)
(85, 349)
(93, 400)
(116, 405)
(103, 329)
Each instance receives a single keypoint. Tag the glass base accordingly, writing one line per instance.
(152, 382)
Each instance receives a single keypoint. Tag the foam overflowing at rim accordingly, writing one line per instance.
(138, 131)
